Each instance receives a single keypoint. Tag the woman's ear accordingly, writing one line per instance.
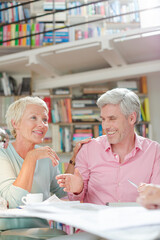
(14, 124)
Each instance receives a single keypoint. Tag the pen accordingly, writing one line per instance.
(135, 185)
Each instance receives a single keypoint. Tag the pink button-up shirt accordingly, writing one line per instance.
(106, 180)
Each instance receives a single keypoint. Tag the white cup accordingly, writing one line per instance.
(3, 203)
(32, 198)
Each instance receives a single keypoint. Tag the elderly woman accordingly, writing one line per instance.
(26, 167)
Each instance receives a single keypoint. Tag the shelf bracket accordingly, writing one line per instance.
(38, 65)
(110, 54)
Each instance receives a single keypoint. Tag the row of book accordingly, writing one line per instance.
(82, 132)
(63, 140)
(107, 8)
(92, 30)
(61, 226)
(61, 111)
(144, 130)
(138, 86)
(13, 12)
(20, 30)
(48, 5)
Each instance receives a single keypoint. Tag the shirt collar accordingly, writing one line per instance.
(138, 143)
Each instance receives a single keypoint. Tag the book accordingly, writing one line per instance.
(1, 35)
(143, 82)
(48, 102)
(26, 86)
(28, 41)
(95, 90)
(33, 38)
(24, 33)
(61, 91)
(131, 85)
(16, 34)
(5, 84)
(146, 109)
(143, 117)
(55, 137)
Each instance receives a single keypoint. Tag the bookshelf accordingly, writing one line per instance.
(100, 19)
(74, 20)
(80, 119)
(88, 61)
(35, 20)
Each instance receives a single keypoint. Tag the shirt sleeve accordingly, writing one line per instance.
(155, 178)
(82, 165)
(8, 191)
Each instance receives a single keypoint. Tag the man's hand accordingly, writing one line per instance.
(149, 196)
(71, 182)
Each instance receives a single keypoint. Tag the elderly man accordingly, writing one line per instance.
(105, 164)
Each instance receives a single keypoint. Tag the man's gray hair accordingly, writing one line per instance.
(17, 108)
(129, 102)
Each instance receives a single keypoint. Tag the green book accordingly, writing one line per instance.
(1, 35)
(33, 38)
(143, 114)
(16, 34)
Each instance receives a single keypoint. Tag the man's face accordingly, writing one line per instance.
(116, 125)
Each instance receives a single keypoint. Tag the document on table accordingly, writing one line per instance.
(95, 219)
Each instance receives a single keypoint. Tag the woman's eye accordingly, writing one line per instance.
(45, 120)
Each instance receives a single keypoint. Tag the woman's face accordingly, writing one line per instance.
(33, 124)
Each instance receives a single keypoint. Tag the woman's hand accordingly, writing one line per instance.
(149, 196)
(44, 152)
(71, 182)
(78, 147)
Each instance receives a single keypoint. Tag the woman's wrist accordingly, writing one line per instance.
(72, 162)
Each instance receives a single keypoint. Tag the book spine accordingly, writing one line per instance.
(143, 81)
(146, 109)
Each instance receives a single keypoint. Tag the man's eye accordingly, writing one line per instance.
(33, 117)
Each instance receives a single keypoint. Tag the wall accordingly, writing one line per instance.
(154, 98)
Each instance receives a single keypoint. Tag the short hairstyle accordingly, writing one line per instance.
(17, 108)
(129, 102)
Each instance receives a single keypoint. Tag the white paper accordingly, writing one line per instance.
(96, 219)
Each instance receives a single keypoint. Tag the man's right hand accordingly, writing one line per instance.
(71, 182)
(149, 196)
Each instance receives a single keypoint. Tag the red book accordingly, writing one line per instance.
(48, 102)
(20, 34)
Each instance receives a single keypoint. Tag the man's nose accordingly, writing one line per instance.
(105, 124)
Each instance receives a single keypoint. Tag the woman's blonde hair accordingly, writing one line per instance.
(17, 108)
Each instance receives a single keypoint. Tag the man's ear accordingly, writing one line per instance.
(132, 118)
